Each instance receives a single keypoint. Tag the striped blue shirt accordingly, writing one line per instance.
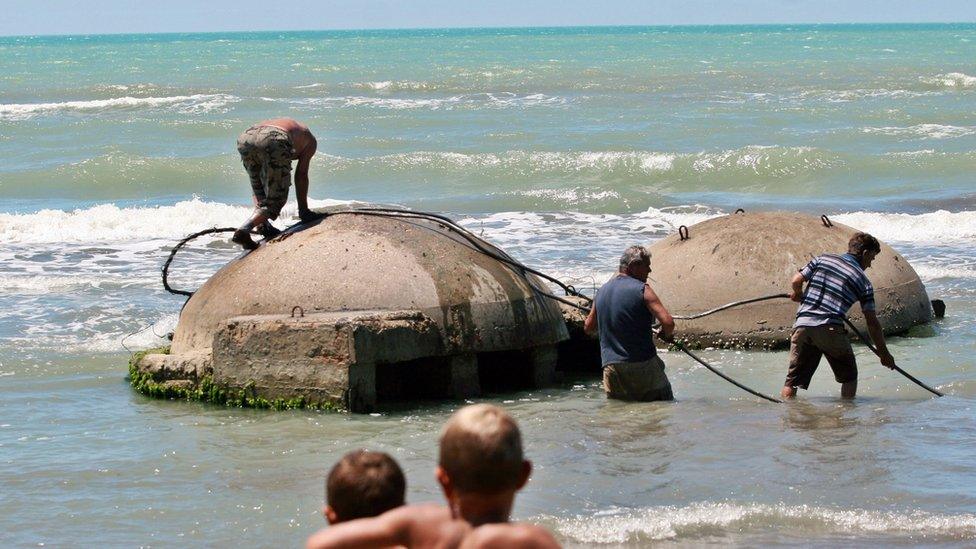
(834, 283)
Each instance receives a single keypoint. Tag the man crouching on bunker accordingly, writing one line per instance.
(267, 150)
(834, 283)
(623, 313)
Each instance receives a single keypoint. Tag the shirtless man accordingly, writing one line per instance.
(481, 468)
(267, 150)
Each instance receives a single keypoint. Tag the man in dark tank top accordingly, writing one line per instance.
(623, 313)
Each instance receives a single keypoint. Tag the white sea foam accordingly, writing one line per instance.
(473, 100)
(757, 159)
(933, 227)
(531, 162)
(110, 223)
(390, 85)
(923, 131)
(951, 80)
(764, 160)
(27, 284)
(928, 272)
(569, 196)
(670, 522)
(182, 103)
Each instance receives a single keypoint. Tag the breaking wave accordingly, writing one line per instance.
(460, 101)
(695, 520)
(923, 131)
(950, 80)
(772, 161)
(187, 104)
(110, 223)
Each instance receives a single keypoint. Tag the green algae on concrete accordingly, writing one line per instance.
(207, 391)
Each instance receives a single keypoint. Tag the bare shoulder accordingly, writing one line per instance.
(491, 536)
(412, 525)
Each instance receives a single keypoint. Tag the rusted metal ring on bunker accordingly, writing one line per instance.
(683, 232)
(301, 312)
(739, 211)
(826, 221)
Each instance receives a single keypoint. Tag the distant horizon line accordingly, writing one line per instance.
(512, 28)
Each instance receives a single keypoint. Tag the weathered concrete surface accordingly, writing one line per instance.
(748, 255)
(353, 262)
(186, 367)
(369, 291)
(325, 357)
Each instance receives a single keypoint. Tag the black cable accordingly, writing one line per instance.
(476, 241)
(712, 369)
(176, 248)
(894, 367)
(730, 305)
(479, 245)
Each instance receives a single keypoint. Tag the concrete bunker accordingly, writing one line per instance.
(363, 308)
(747, 255)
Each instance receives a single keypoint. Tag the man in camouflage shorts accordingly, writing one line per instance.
(267, 150)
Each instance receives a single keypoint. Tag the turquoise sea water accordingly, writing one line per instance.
(562, 146)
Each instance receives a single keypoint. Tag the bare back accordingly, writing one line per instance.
(300, 135)
(502, 536)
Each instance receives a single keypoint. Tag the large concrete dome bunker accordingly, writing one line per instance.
(360, 307)
(747, 255)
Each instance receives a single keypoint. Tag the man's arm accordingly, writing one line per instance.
(590, 324)
(386, 530)
(660, 312)
(796, 287)
(301, 173)
(877, 335)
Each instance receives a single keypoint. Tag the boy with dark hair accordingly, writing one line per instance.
(834, 283)
(363, 484)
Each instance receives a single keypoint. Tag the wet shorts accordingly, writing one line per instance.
(640, 381)
(809, 343)
(267, 153)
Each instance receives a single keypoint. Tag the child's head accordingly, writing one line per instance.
(363, 484)
(481, 451)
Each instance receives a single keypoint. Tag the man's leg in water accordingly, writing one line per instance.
(849, 389)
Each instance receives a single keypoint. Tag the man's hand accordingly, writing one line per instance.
(796, 288)
(887, 359)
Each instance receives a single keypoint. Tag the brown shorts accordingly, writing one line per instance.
(267, 152)
(809, 343)
(640, 381)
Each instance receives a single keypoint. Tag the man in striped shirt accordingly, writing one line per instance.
(834, 283)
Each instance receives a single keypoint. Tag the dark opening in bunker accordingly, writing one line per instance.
(420, 379)
(504, 371)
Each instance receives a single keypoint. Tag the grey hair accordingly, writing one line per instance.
(632, 256)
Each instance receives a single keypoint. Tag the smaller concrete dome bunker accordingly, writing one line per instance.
(362, 308)
(747, 255)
